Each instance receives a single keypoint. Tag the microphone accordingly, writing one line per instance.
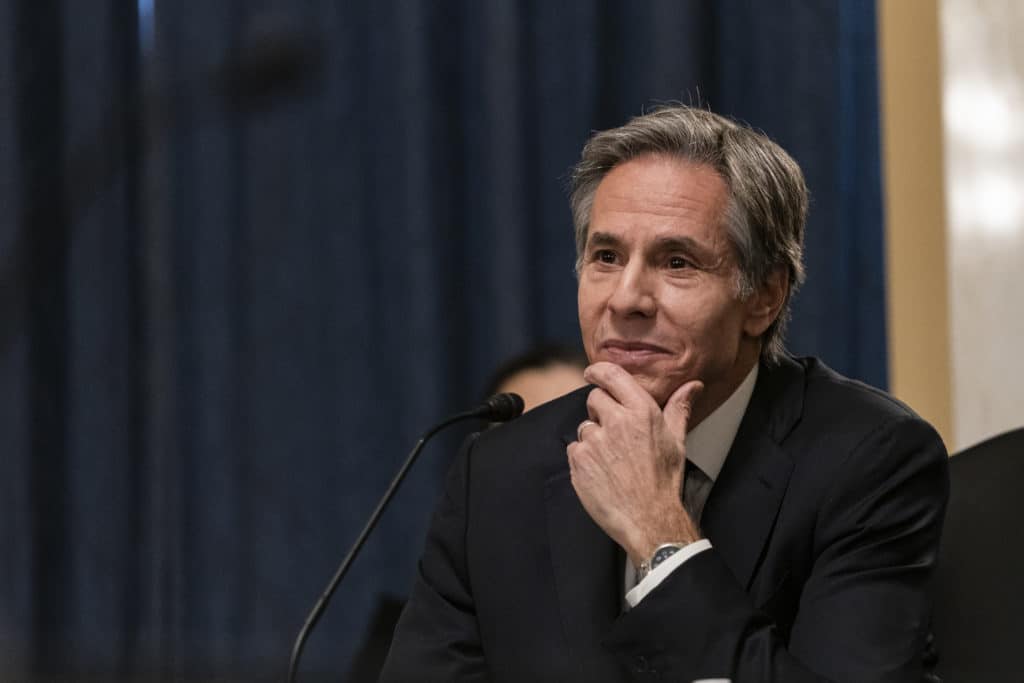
(498, 408)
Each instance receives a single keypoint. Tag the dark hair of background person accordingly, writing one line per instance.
(539, 357)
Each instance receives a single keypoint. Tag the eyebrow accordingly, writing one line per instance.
(602, 239)
(662, 244)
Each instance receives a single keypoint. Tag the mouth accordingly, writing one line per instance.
(627, 353)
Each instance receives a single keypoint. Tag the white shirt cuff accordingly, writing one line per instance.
(658, 574)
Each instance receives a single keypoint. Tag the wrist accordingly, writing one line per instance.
(681, 532)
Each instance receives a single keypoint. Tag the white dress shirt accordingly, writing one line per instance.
(707, 446)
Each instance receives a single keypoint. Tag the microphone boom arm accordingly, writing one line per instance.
(501, 406)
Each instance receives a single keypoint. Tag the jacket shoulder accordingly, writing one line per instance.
(534, 439)
(832, 398)
(845, 423)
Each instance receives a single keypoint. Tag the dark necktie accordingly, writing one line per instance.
(696, 488)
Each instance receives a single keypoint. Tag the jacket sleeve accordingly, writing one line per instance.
(437, 638)
(862, 614)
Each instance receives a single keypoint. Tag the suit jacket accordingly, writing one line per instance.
(824, 522)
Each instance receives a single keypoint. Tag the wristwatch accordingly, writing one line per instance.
(661, 553)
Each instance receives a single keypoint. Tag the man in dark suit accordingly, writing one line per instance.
(710, 508)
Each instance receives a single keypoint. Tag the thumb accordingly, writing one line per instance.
(679, 408)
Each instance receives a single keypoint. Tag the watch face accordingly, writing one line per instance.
(663, 553)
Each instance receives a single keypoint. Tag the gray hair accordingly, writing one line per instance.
(767, 206)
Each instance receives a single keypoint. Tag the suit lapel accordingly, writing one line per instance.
(588, 566)
(744, 502)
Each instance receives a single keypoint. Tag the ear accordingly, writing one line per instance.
(765, 303)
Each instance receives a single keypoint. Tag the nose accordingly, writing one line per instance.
(634, 292)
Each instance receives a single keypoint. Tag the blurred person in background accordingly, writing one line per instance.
(538, 375)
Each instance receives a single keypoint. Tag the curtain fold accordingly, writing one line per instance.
(248, 256)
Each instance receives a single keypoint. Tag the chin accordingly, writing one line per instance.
(656, 387)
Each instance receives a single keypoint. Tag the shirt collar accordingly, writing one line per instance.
(708, 444)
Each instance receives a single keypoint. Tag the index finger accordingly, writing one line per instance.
(618, 383)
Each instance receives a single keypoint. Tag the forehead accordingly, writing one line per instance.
(659, 195)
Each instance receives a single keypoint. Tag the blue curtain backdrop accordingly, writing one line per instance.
(248, 253)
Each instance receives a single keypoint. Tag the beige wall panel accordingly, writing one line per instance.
(918, 304)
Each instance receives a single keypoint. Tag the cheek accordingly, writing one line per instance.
(588, 307)
(705, 325)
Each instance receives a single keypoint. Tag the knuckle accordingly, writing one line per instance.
(575, 451)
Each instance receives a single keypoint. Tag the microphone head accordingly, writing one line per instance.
(501, 407)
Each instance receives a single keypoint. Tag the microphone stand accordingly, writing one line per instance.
(501, 407)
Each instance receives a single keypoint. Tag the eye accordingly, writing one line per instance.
(605, 256)
(677, 262)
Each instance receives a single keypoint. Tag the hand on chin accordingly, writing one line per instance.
(658, 386)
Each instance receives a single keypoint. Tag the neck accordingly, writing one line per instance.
(714, 396)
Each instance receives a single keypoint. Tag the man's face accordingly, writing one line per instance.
(658, 282)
